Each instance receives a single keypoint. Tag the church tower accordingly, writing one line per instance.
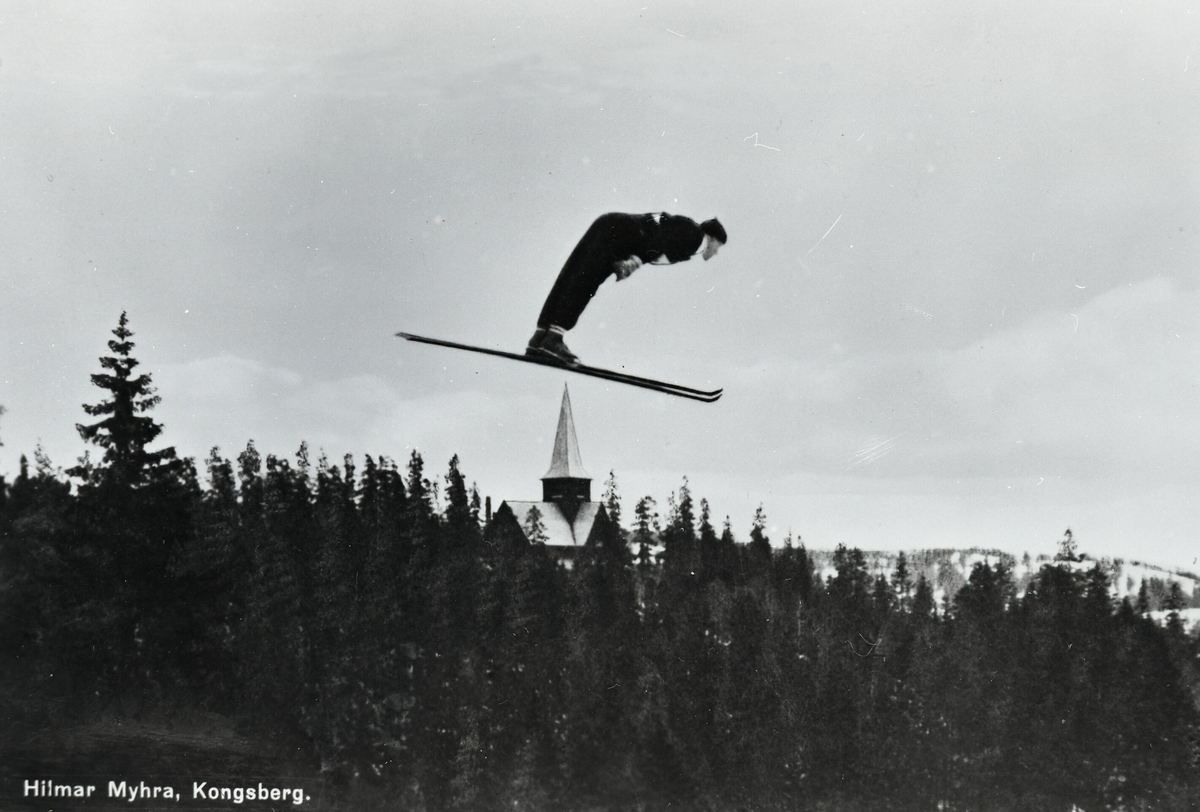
(566, 483)
(566, 518)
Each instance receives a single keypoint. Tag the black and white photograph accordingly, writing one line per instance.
(560, 406)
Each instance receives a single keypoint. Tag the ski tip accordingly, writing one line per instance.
(705, 397)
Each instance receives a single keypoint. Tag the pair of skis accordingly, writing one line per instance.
(596, 372)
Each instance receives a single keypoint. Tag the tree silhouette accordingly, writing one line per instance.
(760, 544)
(535, 528)
(1067, 547)
(122, 590)
(645, 529)
(902, 581)
(612, 499)
(126, 428)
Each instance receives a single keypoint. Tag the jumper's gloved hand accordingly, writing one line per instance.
(626, 267)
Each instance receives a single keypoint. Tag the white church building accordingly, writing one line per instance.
(567, 516)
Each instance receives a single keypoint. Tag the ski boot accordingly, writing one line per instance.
(547, 342)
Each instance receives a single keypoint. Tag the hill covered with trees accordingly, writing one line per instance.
(366, 624)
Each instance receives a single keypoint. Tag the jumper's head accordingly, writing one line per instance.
(679, 241)
(714, 237)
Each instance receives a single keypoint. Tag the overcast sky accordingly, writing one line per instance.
(959, 304)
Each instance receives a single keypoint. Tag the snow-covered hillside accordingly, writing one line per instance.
(1190, 618)
(948, 570)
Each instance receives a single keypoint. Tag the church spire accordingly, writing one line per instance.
(566, 481)
(565, 462)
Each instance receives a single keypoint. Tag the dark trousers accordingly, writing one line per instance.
(589, 265)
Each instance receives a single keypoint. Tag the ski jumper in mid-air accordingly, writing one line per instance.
(616, 244)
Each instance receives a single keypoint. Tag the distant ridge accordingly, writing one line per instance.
(947, 570)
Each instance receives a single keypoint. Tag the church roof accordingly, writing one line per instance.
(559, 532)
(565, 462)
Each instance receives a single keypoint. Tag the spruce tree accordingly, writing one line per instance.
(645, 529)
(420, 519)
(612, 499)
(1143, 598)
(760, 544)
(33, 524)
(134, 517)
(709, 545)
(1173, 604)
(461, 523)
(126, 428)
(535, 528)
(1067, 547)
(924, 605)
(729, 560)
(902, 581)
(680, 559)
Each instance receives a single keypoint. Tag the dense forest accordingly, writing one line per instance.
(369, 620)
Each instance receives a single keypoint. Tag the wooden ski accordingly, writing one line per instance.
(595, 372)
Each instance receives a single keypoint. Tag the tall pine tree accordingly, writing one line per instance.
(126, 428)
(134, 518)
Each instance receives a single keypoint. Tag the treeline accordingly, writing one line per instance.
(427, 658)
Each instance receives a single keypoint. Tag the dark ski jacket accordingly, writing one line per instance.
(657, 238)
